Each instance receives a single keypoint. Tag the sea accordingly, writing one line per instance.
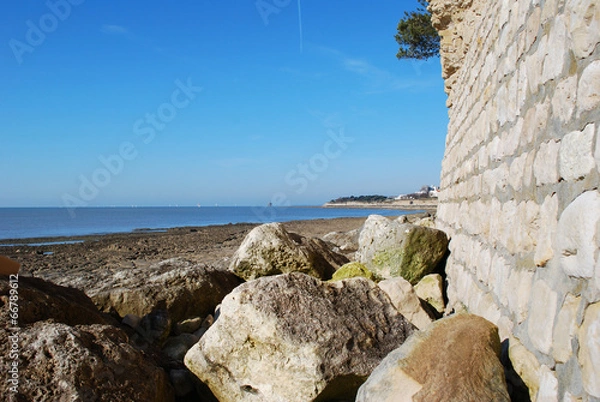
(28, 223)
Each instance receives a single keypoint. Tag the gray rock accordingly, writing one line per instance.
(182, 380)
(270, 250)
(183, 289)
(41, 300)
(84, 363)
(154, 328)
(346, 242)
(176, 347)
(390, 249)
(131, 320)
(294, 338)
(455, 359)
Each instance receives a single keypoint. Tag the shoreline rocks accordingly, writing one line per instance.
(393, 248)
(68, 350)
(457, 358)
(285, 336)
(270, 249)
(184, 289)
(292, 337)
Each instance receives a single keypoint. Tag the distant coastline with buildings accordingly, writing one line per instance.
(424, 199)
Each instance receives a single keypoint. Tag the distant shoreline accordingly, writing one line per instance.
(428, 204)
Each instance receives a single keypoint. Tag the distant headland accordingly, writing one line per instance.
(424, 199)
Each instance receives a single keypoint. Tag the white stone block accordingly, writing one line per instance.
(523, 85)
(528, 172)
(499, 274)
(489, 309)
(584, 25)
(534, 63)
(508, 227)
(536, 121)
(565, 329)
(597, 152)
(589, 350)
(523, 7)
(542, 312)
(501, 176)
(533, 28)
(513, 88)
(545, 166)
(526, 365)
(505, 327)
(549, 10)
(503, 106)
(557, 49)
(576, 158)
(519, 291)
(528, 214)
(517, 167)
(588, 92)
(548, 223)
(509, 141)
(563, 101)
(496, 222)
(484, 265)
(578, 236)
(548, 385)
(529, 128)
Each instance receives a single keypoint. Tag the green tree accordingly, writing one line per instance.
(416, 36)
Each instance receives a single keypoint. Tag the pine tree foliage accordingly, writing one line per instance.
(416, 36)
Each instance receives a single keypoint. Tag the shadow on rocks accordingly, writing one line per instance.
(517, 389)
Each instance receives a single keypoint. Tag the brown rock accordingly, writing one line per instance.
(455, 359)
(40, 300)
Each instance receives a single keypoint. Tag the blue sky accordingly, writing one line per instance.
(212, 102)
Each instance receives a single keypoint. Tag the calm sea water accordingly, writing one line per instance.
(22, 223)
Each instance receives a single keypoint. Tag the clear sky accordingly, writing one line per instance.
(229, 102)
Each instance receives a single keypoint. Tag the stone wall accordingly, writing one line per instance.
(520, 180)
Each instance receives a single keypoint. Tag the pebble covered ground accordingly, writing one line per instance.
(211, 245)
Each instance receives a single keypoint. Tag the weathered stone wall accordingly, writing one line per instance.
(520, 181)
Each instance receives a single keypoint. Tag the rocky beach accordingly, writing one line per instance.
(209, 245)
(301, 311)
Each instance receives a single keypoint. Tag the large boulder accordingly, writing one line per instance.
(390, 248)
(294, 338)
(83, 363)
(40, 300)
(270, 250)
(66, 350)
(181, 288)
(454, 359)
